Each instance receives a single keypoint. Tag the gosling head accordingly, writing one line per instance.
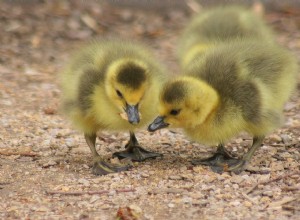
(185, 103)
(127, 82)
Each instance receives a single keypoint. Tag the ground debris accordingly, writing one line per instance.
(167, 191)
(23, 151)
(45, 163)
(132, 212)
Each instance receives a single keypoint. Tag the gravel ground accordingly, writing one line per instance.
(45, 165)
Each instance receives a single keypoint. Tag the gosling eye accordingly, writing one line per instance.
(174, 111)
(119, 93)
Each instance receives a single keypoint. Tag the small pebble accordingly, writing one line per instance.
(197, 195)
(105, 206)
(80, 150)
(187, 200)
(70, 142)
(148, 217)
(175, 177)
(235, 203)
(144, 175)
(237, 179)
(200, 202)
(136, 209)
(94, 198)
(84, 182)
(286, 138)
(112, 193)
(42, 209)
(260, 186)
(247, 204)
(275, 138)
(49, 164)
(235, 186)
(85, 166)
(171, 205)
(265, 199)
(268, 193)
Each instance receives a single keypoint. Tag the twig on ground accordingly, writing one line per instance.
(252, 188)
(5, 183)
(282, 177)
(79, 193)
(249, 198)
(7, 152)
(275, 205)
(167, 191)
(125, 190)
(291, 208)
(272, 180)
(291, 188)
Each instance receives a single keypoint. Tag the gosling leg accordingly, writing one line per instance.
(100, 167)
(223, 162)
(134, 151)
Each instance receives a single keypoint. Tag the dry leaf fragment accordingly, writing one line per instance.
(225, 167)
(90, 22)
(36, 41)
(129, 213)
(49, 111)
(277, 204)
(258, 8)
(24, 151)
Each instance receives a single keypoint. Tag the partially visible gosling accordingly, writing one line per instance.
(220, 25)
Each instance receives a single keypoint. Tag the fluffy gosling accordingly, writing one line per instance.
(235, 79)
(112, 85)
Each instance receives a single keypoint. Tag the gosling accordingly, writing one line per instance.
(112, 85)
(235, 78)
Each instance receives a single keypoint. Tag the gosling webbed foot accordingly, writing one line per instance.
(136, 153)
(101, 167)
(222, 163)
(216, 159)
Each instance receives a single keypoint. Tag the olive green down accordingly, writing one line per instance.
(112, 85)
(234, 78)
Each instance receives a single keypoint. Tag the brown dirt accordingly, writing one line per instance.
(45, 165)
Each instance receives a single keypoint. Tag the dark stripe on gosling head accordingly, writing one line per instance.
(131, 75)
(174, 92)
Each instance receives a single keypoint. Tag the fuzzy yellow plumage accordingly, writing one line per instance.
(104, 81)
(239, 82)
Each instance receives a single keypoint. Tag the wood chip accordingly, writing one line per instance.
(281, 202)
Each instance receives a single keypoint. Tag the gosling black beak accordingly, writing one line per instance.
(158, 123)
(132, 112)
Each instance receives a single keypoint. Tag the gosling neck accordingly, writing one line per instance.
(205, 99)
